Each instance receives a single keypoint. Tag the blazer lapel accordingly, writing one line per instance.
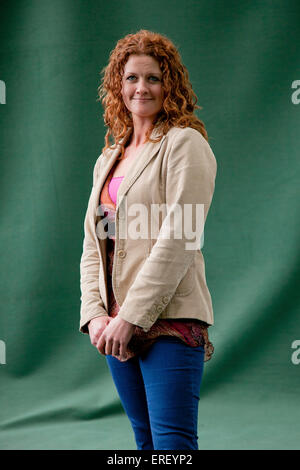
(138, 165)
(107, 166)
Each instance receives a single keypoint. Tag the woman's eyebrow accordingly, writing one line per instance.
(149, 73)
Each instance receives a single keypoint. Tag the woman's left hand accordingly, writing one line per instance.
(115, 337)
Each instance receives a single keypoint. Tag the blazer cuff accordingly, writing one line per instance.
(145, 325)
(83, 325)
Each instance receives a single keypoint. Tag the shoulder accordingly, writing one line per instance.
(103, 157)
(101, 161)
(188, 143)
(184, 133)
(187, 136)
(187, 148)
(96, 168)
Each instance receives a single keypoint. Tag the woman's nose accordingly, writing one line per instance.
(141, 86)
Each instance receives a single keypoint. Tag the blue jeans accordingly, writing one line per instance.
(159, 391)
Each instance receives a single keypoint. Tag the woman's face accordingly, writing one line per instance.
(142, 86)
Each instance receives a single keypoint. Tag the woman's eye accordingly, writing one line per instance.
(150, 77)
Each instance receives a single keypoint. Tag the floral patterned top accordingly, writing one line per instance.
(193, 332)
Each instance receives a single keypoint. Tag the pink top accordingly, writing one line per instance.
(114, 186)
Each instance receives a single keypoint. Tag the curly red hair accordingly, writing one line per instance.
(179, 99)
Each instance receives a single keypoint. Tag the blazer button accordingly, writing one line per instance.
(165, 300)
(159, 308)
(121, 253)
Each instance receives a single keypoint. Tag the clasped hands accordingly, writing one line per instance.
(110, 335)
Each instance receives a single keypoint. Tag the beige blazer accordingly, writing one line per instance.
(155, 276)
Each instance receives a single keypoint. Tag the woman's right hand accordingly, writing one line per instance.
(96, 326)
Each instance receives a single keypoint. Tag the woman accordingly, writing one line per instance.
(145, 302)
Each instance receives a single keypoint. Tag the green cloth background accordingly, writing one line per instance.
(56, 391)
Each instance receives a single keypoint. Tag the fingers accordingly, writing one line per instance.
(96, 333)
(123, 349)
(101, 345)
(123, 357)
(112, 340)
(109, 347)
(115, 348)
(119, 351)
(95, 337)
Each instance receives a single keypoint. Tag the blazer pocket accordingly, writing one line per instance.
(187, 283)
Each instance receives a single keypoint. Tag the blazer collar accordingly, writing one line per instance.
(142, 159)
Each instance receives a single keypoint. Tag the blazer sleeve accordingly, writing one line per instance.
(191, 172)
(92, 305)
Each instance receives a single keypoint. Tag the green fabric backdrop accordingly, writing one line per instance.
(56, 391)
